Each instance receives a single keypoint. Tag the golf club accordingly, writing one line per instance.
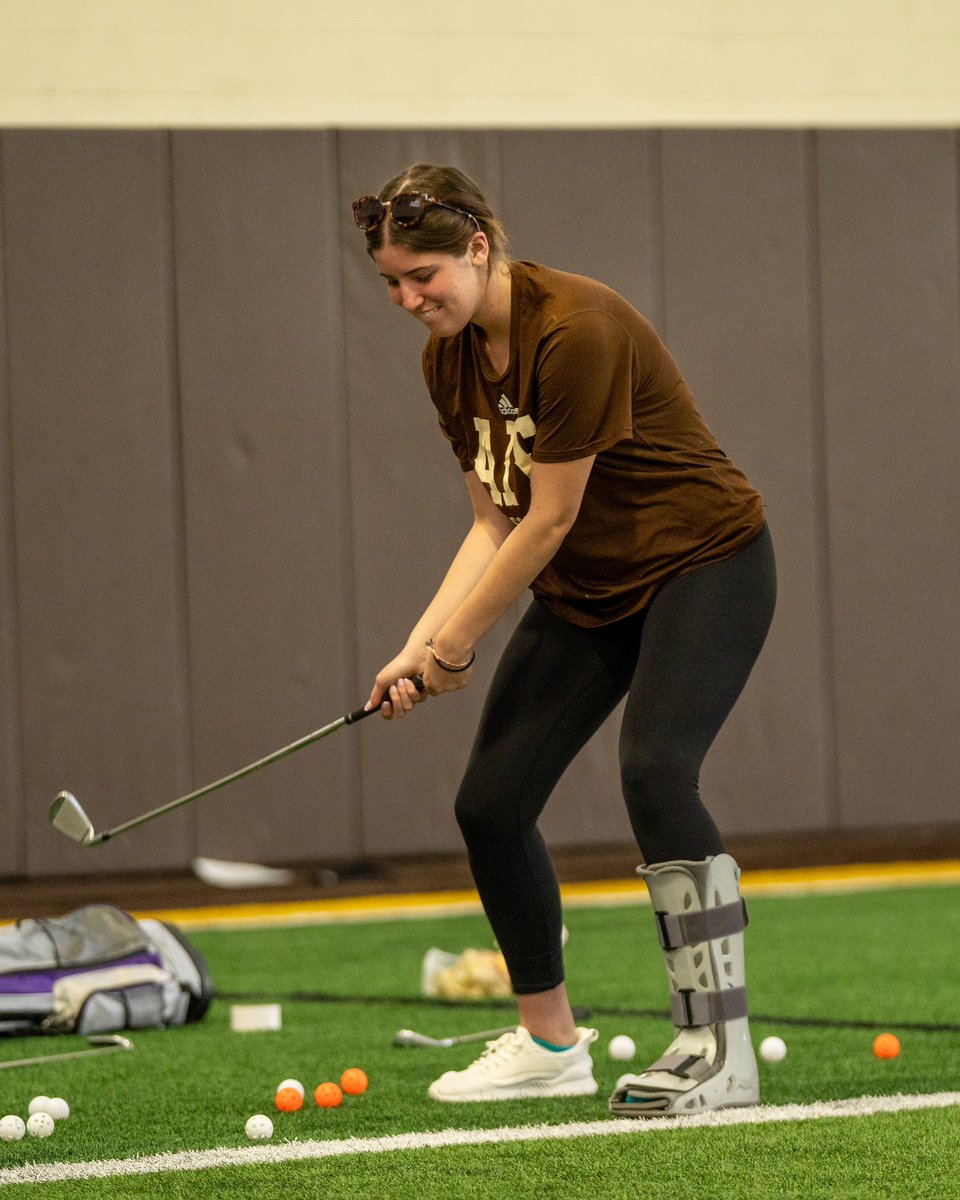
(103, 1043)
(67, 815)
(409, 1037)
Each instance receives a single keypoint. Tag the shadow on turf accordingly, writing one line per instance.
(580, 1014)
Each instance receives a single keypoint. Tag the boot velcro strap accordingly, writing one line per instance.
(692, 1009)
(691, 929)
(686, 1066)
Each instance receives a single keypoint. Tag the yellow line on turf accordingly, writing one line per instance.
(861, 877)
(322, 912)
(789, 882)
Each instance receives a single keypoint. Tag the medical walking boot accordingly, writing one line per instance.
(710, 1063)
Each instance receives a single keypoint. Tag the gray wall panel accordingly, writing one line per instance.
(588, 202)
(265, 472)
(95, 475)
(410, 509)
(12, 846)
(600, 229)
(741, 322)
(224, 498)
(892, 389)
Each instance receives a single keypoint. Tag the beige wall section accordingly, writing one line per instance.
(509, 63)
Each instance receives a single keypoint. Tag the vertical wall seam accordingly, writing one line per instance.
(956, 192)
(357, 825)
(17, 747)
(659, 232)
(178, 489)
(497, 161)
(821, 487)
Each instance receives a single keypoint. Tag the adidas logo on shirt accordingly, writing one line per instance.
(506, 408)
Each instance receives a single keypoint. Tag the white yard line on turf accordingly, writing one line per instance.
(202, 1160)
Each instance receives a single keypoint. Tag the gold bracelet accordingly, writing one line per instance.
(444, 665)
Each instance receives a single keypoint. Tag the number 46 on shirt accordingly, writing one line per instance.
(514, 455)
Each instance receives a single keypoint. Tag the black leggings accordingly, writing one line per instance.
(684, 661)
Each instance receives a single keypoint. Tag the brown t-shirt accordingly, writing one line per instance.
(588, 375)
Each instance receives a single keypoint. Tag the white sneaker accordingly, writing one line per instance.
(514, 1067)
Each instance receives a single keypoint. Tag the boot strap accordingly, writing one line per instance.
(686, 1066)
(691, 929)
(692, 1009)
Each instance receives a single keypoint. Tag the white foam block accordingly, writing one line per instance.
(222, 873)
(255, 1018)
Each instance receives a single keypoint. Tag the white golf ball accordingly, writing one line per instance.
(40, 1124)
(259, 1127)
(294, 1083)
(57, 1107)
(12, 1129)
(773, 1049)
(38, 1104)
(622, 1048)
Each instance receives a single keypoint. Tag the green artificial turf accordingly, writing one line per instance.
(825, 973)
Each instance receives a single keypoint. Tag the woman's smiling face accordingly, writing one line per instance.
(443, 291)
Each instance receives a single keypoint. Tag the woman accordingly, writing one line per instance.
(595, 483)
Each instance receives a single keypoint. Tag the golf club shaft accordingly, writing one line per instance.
(350, 718)
(410, 1037)
(39, 1060)
(231, 778)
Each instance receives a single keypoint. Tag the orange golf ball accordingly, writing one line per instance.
(354, 1081)
(327, 1095)
(886, 1045)
(288, 1099)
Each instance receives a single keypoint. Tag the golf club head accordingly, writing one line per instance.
(66, 815)
(408, 1037)
(114, 1041)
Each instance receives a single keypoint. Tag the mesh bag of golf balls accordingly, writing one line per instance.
(472, 975)
(98, 970)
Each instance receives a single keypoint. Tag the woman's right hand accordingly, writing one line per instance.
(393, 689)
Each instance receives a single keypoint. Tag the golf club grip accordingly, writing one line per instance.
(359, 713)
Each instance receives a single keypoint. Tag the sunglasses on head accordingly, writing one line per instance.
(406, 209)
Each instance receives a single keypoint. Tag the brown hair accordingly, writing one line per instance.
(440, 230)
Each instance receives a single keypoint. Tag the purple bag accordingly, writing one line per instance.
(98, 970)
